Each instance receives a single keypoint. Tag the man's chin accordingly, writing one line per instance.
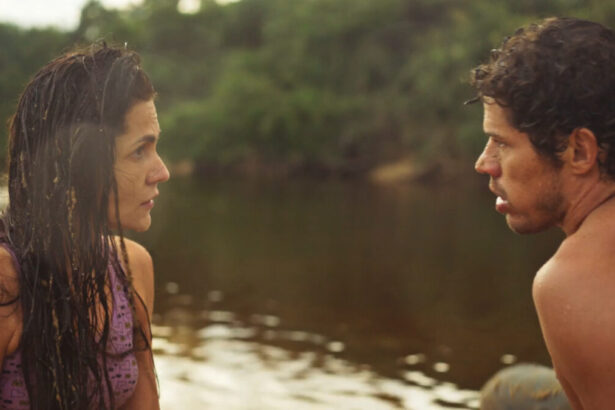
(523, 226)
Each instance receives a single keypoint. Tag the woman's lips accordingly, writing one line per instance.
(148, 204)
(501, 205)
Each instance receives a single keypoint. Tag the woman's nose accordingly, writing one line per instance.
(159, 174)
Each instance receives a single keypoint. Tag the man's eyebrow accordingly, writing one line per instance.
(492, 134)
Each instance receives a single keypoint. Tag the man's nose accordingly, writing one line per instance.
(488, 163)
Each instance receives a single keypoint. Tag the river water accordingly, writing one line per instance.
(337, 294)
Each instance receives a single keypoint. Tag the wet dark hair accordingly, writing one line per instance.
(554, 77)
(61, 179)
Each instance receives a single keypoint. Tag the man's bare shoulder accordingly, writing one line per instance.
(581, 274)
(586, 257)
(573, 293)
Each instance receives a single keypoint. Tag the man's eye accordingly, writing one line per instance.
(498, 142)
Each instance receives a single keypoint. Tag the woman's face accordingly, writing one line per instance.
(138, 168)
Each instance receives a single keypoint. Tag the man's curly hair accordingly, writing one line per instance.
(554, 77)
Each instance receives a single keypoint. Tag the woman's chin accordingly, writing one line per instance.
(143, 226)
(140, 225)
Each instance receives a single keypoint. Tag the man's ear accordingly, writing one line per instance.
(582, 152)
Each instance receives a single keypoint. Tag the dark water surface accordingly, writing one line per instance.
(424, 286)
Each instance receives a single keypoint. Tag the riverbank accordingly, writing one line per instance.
(404, 169)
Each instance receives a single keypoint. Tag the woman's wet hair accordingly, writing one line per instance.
(554, 77)
(61, 179)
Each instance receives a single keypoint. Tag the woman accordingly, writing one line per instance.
(76, 295)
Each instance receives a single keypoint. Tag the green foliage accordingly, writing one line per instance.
(336, 85)
(22, 53)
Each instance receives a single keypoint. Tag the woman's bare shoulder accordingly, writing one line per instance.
(10, 316)
(142, 269)
(9, 280)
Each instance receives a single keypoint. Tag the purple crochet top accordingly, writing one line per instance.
(122, 369)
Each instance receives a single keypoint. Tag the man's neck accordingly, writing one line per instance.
(585, 202)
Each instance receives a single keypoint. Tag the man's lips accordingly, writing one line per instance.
(501, 205)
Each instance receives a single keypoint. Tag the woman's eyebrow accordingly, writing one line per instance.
(146, 138)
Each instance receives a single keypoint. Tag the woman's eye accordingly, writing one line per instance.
(139, 152)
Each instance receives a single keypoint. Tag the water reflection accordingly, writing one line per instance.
(423, 288)
(230, 364)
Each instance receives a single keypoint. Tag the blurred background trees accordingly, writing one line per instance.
(323, 87)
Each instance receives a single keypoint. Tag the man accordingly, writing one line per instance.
(549, 114)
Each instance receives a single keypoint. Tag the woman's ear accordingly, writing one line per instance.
(582, 152)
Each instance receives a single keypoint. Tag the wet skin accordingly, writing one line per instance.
(527, 184)
(138, 168)
(573, 291)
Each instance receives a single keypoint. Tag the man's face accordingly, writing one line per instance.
(527, 185)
